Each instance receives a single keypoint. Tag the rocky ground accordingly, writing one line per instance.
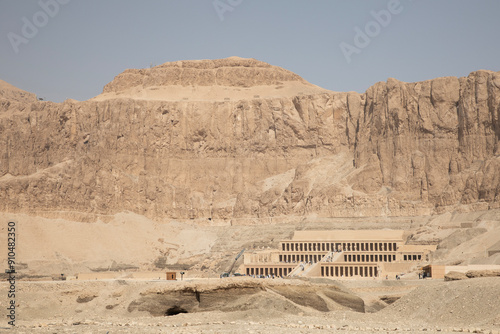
(257, 306)
(46, 247)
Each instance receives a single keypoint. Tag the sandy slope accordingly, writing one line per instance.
(213, 93)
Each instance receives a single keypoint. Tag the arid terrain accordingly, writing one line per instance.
(183, 165)
(242, 305)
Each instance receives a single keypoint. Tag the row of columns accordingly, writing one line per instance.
(301, 258)
(369, 257)
(280, 271)
(349, 271)
(338, 246)
(412, 257)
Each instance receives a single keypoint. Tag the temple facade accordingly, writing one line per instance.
(341, 254)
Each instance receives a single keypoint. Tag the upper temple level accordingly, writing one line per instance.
(361, 240)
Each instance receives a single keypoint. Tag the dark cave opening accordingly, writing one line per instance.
(175, 310)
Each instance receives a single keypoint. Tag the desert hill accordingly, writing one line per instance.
(240, 147)
(232, 78)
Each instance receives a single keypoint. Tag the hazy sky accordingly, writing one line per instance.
(78, 46)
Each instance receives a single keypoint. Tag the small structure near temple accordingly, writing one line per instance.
(171, 276)
(341, 254)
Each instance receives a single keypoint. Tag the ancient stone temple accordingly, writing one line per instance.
(341, 254)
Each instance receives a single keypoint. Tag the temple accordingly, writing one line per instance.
(341, 254)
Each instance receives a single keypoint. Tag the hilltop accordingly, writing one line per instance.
(232, 78)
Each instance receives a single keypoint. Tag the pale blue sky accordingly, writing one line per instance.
(88, 42)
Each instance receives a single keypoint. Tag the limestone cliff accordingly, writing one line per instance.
(236, 138)
(434, 141)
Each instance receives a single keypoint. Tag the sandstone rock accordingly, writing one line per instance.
(455, 276)
(482, 273)
(239, 138)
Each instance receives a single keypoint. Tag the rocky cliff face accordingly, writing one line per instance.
(434, 141)
(398, 149)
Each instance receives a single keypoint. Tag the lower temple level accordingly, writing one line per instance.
(368, 270)
(280, 271)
